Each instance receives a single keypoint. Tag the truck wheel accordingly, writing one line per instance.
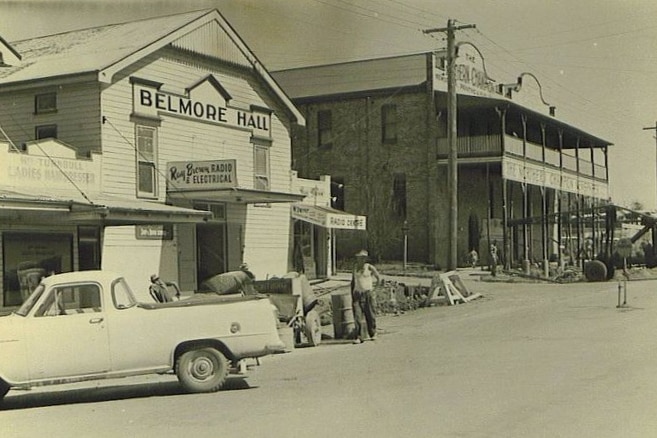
(313, 328)
(202, 370)
(4, 389)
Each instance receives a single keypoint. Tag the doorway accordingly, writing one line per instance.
(211, 250)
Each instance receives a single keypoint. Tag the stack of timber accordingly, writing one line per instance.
(448, 288)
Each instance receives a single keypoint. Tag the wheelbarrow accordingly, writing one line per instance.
(295, 301)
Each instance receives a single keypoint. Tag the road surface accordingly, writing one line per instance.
(526, 360)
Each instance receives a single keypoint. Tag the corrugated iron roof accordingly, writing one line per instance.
(107, 49)
(89, 50)
(353, 77)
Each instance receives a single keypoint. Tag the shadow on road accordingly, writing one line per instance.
(25, 399)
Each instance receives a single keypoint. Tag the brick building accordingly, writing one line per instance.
(379, 128)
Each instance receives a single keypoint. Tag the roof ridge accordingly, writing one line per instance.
(200, 12)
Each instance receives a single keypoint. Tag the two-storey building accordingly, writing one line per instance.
(379, 127)
(154, 146)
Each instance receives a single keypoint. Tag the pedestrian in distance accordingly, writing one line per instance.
(474, 258)
(362, 297)
(494, 258)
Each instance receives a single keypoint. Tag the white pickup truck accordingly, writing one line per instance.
(88, 325)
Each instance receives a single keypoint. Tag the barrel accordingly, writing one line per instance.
(343, 316)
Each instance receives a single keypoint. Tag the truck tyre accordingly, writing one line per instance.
(595, 270)
(4, 389)
(313, 328)
(202, 370)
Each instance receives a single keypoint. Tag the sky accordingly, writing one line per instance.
(596, 60)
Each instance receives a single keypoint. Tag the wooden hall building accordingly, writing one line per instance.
(379, 128)
(153, 146)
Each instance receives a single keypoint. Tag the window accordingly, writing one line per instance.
(389, 123)
(218, 210)
(146, 167)
(122, 295)
(45, 131)
(399, 195)
(324, 129)
(261, 167)
(45, 103)
(71, 300)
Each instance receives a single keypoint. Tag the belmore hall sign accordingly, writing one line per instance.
(206, 101)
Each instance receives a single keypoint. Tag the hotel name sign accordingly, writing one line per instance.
(517, 170)
(470, 72)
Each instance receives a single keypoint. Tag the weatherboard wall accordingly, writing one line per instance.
(264, 231)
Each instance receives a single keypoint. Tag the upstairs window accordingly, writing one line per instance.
(146, 137)
(324, 129)
(261, 167)
(45, 131)
(45, 103)
(399, 195)
(389, 123)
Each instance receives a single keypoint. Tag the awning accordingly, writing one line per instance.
(235, 195)
(328, 217)
(16, 207)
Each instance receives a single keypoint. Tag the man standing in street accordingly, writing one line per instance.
(361, 294)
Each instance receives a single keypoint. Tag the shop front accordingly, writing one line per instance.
(220, 243)
(63, 231)
(315, 225)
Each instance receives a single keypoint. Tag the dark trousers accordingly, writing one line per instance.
(364, 314)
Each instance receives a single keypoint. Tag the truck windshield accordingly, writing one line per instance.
(31, 301)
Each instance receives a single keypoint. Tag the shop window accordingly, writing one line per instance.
(261, 167)
(389, 123)
(27, 257)
(45, 131)
(45, 103)
(337, 193)
(146, 137)
(399, 195)
(324, 129)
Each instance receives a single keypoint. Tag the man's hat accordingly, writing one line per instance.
(362, 253)
(154, 277)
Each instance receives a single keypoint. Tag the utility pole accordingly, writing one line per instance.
(452, 167)
(654, 128)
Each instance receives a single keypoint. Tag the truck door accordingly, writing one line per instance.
(67, 334)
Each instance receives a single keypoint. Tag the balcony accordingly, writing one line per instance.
(514, 147)
(476, 146)
(489, 146)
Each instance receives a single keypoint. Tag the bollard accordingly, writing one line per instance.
(622, 287)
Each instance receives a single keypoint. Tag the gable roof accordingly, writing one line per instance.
(106, 50)
(354, 76)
